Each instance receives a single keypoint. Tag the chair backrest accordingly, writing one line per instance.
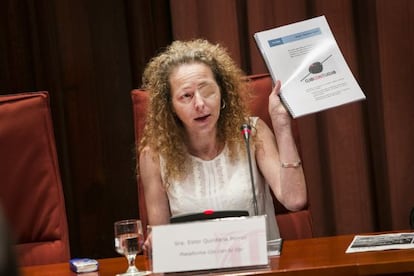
(292, 225)
(31, 193)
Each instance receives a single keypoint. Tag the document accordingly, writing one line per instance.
(306, 58)
(274, 247)
(378, 242)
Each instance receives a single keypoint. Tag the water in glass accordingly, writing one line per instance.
(129, 239)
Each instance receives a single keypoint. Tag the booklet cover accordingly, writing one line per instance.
(306, 58)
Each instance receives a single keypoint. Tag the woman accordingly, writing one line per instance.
(192, 155)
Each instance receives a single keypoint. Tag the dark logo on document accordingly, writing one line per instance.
(316, 69)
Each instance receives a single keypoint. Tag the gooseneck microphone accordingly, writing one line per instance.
(246, 130)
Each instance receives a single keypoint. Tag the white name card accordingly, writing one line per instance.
(209, 244)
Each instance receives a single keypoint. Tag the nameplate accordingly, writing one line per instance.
(209, 244)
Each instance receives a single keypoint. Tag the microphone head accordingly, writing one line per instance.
(246, 130)
(246, 127)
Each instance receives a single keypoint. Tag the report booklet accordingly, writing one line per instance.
(306, 58)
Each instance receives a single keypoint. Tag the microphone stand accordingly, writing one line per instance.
(246, 129)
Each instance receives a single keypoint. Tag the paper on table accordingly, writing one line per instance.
(274, 247)
(379, 242)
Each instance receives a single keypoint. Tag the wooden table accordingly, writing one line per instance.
(317, 256)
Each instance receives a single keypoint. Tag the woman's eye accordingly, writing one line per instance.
(186, 97)
(207, 93)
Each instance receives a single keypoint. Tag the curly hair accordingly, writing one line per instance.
(163, 131)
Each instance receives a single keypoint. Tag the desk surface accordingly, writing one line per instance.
(317, 256)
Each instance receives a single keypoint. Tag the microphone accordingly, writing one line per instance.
(246, 131)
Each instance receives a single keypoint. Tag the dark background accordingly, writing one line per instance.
(89, 55)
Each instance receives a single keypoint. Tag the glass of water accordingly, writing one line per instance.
(129, 239)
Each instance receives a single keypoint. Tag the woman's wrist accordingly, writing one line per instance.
(288, 153)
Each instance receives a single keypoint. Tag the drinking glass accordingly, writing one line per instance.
(129, 239)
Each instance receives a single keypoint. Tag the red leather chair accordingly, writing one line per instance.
(292, 225)
(31, 192)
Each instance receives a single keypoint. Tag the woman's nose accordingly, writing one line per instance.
(198, 100)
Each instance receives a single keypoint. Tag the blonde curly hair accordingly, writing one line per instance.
(163, 131)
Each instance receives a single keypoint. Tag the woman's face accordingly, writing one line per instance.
(195, 97)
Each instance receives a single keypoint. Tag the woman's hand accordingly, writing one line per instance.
(277, 111)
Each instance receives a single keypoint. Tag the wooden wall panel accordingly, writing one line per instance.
(395, 45)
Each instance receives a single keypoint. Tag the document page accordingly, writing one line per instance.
(363, 243)
(306, 58)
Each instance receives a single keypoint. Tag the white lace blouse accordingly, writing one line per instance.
(221, 184)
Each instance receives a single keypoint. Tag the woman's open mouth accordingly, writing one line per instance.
(202, 118)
